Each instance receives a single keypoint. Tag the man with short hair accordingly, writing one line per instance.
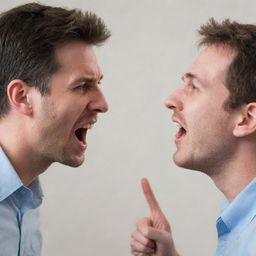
(216, 110)
(49, 98)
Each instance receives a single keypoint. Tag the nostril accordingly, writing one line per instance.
(169, 104)
(173, 102)
(103, 108)
(99, 105)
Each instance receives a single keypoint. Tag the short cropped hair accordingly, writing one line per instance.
(241, 74)
(29, 35)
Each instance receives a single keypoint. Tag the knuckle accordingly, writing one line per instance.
(145, 231)
(133, 234)
(143, 222)
(132, 244)
(139, 223)
(132, 251)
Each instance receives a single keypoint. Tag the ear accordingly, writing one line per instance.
(247, 121)
(17, 91)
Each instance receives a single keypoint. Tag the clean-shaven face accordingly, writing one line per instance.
(62, 118)
(205, 130)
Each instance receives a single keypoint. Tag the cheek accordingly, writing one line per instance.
(69, 112)
(62, 115)
(202, 122)
(64, 124)
(58, 122)
(195, 115)
(212, 124)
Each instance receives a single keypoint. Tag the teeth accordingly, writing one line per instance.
(177, 125)
(88, 126)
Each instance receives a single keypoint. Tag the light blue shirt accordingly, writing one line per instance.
(19, 213)
(237, 225)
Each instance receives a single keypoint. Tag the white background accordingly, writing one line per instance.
(91, 210)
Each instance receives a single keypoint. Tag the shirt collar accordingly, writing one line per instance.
(9, 181)
(241, 210)
(36, 188)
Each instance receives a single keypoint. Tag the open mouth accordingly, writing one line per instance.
(181, 132)
(81, 134)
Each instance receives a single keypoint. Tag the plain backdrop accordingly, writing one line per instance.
(91, 210)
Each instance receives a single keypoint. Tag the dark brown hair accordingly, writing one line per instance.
(241, 75)
(29, 35)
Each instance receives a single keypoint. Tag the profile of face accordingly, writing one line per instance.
(63, 117)
(205, 137)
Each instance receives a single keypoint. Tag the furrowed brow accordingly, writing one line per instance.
(88, 79)
(193, 77)
(188, 75)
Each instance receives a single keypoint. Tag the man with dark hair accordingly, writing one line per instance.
(49, 98)
(215, 109)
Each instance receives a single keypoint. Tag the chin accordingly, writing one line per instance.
(192, 165)
(73, 162)
(184, 163)
(178, 160)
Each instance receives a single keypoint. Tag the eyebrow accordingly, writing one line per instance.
(189, 75)
(87, 80)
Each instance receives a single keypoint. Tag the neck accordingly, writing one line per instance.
(27, 162)
(237, 173)
(27, 166)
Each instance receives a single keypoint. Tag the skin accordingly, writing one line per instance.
(41, 129)
(219, 142)
(198, 106)
(153, 234)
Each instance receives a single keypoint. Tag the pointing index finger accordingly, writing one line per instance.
(148, 192)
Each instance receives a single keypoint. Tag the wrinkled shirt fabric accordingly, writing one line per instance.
(19, 213)
(236, 226)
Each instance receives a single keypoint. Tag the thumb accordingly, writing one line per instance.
(155, 234)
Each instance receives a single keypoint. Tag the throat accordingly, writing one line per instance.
(81, 134)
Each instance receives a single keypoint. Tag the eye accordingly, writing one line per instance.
(83, 87)
(192, 86)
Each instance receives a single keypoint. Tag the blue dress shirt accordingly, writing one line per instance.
(19, 213)
(237, 225)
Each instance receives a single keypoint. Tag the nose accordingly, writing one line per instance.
(98, 102)
(174, 101)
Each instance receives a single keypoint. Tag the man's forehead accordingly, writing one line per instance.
(75, 51)
(218, 52)
(211, 61)
(78, 56)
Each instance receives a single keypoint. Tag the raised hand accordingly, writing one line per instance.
(153, 234)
